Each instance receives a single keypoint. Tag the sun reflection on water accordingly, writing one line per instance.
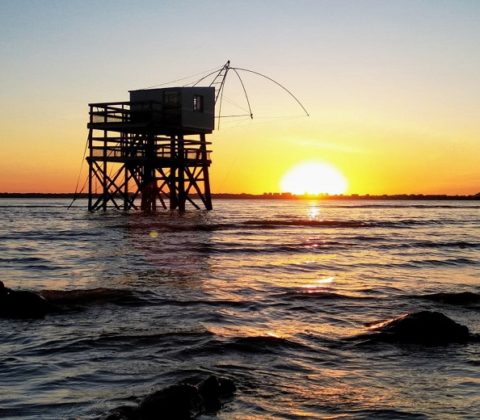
(319, 284)
(313, 211)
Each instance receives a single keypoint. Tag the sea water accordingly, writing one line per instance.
(264, 292)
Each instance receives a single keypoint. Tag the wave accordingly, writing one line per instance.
(384, 414)
(262, 344)
(240, 248)
(321, 245)
(403, 223)
(432, 244)
(345, 243)
(448, 262)
(445, 262)
(250, 344)
(158, 340)
(452, 298)
(319, 294)
(33, 206)
(307, 223)
(285, 223)
(403, 206)
(50, 235)
(32, 263)
(205, 302)
(90, 296)
(23, 260)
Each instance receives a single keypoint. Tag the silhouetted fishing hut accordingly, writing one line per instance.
(153, 147)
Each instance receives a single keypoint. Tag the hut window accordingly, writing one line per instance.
(171, 98)
(197, 103)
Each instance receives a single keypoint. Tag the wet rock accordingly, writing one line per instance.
(122, 413)
(181, 401)
(214, 391)
(22, 304)
(425, 327)
(176, 402)
(25, 304)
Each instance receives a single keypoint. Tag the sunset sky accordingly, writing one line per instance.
(392, 87)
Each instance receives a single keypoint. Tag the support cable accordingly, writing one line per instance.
(223, 77)
(220, 94)
(231, 102)
(76, 193)
(215, 70)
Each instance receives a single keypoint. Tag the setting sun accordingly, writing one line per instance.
(314, 178)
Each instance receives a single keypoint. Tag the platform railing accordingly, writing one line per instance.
(128, 112)
(160, 152)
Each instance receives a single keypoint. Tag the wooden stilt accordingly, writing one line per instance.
(133, 159)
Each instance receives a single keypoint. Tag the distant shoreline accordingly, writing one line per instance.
(277, 196)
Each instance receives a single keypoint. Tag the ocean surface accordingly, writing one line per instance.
(264, 292)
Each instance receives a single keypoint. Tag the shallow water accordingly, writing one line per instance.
(261, 291)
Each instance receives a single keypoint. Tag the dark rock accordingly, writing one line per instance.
(122, 413)
(175, 402)
(22, 304)
(227, 388)
(214, 391)
(186, 400)
(425, 327)
(25, 304)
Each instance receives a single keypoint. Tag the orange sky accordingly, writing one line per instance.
(392, 87)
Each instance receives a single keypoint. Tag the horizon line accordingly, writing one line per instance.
(266, 195)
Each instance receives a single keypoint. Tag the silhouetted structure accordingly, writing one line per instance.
(153, 147)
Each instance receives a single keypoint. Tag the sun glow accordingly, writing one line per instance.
(314, 178)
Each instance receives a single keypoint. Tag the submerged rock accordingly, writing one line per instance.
(460, 298)
(22, 304)
(85, 297)
(26, 304)
(180, 401)
(425, 327)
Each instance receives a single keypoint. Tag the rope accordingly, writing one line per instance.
(217, 71)
(244, 91)
(233, 116)
(231, 102)
(184, 78)
(278, 84)
(78, 177)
